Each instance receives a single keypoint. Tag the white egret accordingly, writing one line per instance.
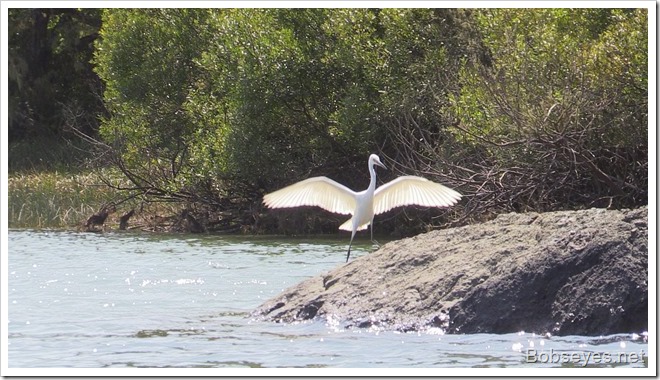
(335, 197)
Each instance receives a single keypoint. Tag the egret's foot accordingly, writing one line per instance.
(376, 243)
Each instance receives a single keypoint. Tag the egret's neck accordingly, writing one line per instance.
(372, 183)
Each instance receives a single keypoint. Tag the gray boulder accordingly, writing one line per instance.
(567, 272)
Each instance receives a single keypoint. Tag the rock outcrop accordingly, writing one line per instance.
(568, 272)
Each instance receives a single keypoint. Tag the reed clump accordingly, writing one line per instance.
(54, 199)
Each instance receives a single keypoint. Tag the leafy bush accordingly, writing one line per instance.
(520, 109)
(556, 118)
(146, 58)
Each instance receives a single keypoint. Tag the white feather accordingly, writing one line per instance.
(318, 191)
(335, 197)
(411, 190)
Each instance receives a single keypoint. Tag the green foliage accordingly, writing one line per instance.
(557, 69)
(619, 71)
(564, 101)
(258, 97)
(279, 98)
(206, 104)
(147, 59)
(282, 91)
(523, 109)
(52, 87)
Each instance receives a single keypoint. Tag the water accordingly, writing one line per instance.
(145, 300)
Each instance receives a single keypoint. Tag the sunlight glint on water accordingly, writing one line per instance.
(139, 300)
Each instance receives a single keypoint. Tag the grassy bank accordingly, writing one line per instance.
(49, 186)
(54, 199)
(66, 200)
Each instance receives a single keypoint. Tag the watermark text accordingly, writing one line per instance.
(583, 358)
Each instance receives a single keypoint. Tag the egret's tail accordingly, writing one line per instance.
(348, 226)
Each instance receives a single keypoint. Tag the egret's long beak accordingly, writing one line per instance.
(380, 164)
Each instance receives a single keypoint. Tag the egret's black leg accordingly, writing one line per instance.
(349, 247)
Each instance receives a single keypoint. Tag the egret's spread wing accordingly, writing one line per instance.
(411, 190)
(318, 191)
(348, 226)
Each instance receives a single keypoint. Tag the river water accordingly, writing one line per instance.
(84, 300)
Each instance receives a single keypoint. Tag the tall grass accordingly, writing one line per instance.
(54, 199)
(50, 186)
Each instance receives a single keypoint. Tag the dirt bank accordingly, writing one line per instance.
(568, 272)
